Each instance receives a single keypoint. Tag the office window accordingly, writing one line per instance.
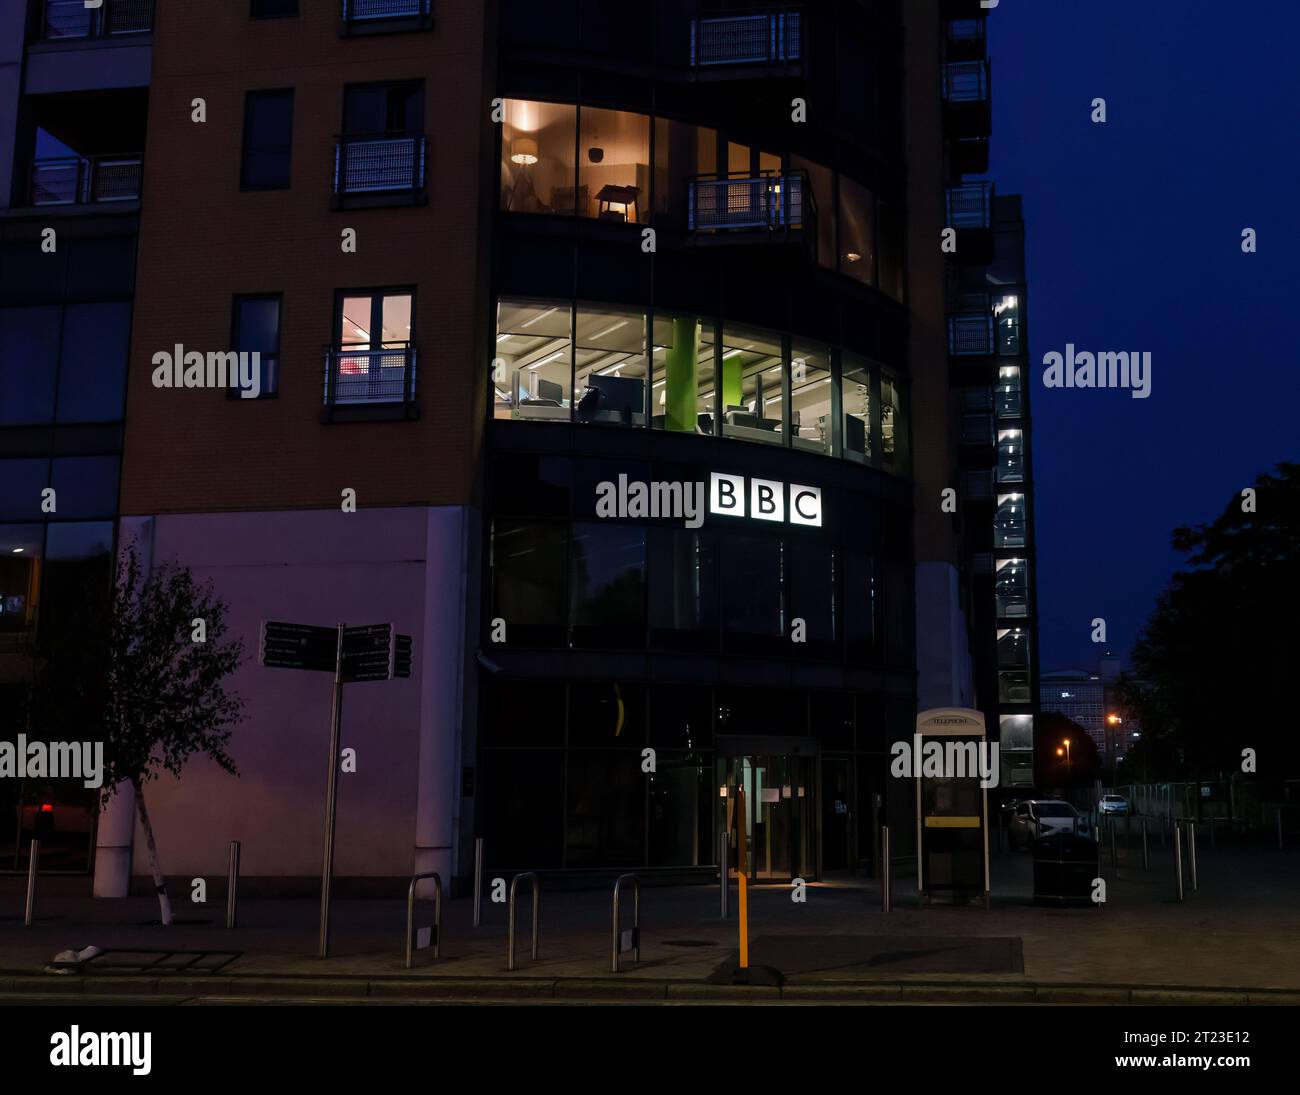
(86, 486)
(753, 592)
(683, 601)
(613, 165)
(273, 9)
(682, 396)
(810, 577)
(268, 140)
(1009, 521)
(681, 717)
(857, 224)
(530, 581)
(92, 362)
(604, 810)
(890, 419)
(257, 330)
(753, 384)
(810, 397)
(538, 150)
(23, 480)
(20, 577)
(855, 396)
(611, 366)
(607, 585)
(822, 180)
(533, 368)
(29, 357)
(860, 612)
(522, 713)
(523, 808)
(682, 151)
(681, 796)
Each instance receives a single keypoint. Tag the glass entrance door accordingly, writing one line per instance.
(780, 814)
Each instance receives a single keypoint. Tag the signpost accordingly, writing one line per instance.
(353, 655)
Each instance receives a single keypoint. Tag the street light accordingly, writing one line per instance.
(1066, 743)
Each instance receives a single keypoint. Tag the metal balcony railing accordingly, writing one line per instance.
(385, 375)
(86, 180)
(965, 34)
(966, 82)
(970, 334)
(770, 200)
(754, 38)
(970, 205)
(65, 19)
(379, 164)
(368, 11)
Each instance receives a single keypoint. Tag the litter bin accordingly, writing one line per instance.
(1064, 866)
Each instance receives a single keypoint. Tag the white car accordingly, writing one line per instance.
(1114, 804)
(1043, 817)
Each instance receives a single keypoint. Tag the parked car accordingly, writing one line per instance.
(1114, 804)
(1042, 817)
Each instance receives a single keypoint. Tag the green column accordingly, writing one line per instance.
(679, 376)
(733, 386)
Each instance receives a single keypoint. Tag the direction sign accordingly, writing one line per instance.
(368, 653)
(297, 646)
(402, 651)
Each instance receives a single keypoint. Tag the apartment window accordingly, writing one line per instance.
(822, 180)
(268, 140)
(855, 398)
(682, 397)
(613, 165)
(382, 148)
(532, 372)
(273, 9)
(373, 358)
(538, 153)
(682, 151)
(753, 385)
(857, 217)
(810, 397)
(256, 330)
(611, 366)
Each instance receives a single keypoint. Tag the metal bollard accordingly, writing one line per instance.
(1191, 852)
(510, 916)
(636, 921)
(1178, 863)
(1146, 856)
(33, 865)
(232, 886)
(478, 881)
(723, 849)
(886, 872)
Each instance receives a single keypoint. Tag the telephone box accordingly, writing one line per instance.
(951, 806)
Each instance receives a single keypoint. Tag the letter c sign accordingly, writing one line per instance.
(805, 505)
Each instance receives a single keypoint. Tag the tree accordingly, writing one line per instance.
(1215, 662)
(133, 671)
(1078, 765)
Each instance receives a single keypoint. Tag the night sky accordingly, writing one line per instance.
(1134, 243)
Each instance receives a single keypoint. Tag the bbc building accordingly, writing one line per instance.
(497, 256)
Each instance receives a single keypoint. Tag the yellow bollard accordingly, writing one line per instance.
(742, 870)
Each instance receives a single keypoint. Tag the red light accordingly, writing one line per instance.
(47, 807)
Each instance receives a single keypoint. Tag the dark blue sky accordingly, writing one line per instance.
(1134, 243)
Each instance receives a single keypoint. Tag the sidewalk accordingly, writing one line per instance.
(1236, 941)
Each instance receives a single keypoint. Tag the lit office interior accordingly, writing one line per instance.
(591, 364)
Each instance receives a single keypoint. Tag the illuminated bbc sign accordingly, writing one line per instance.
(764, 500)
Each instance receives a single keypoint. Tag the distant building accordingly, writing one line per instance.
(1092, 700)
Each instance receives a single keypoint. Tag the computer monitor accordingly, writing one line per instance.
(855, 434)
(548, 389)
(625, 395)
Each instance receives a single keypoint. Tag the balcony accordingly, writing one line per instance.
(386, 16)
(63, 20)
(752, 39)
(86, 180)
(966, 104)
(362, 377)
(970, 211)
(769, 204)
(970, 333)
(964, 40)
(379, 169)
(969, 155)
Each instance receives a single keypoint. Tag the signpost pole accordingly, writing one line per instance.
(331, 800)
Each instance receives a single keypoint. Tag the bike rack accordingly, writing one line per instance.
(510, 926)
(636, 921)
(410, 914)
